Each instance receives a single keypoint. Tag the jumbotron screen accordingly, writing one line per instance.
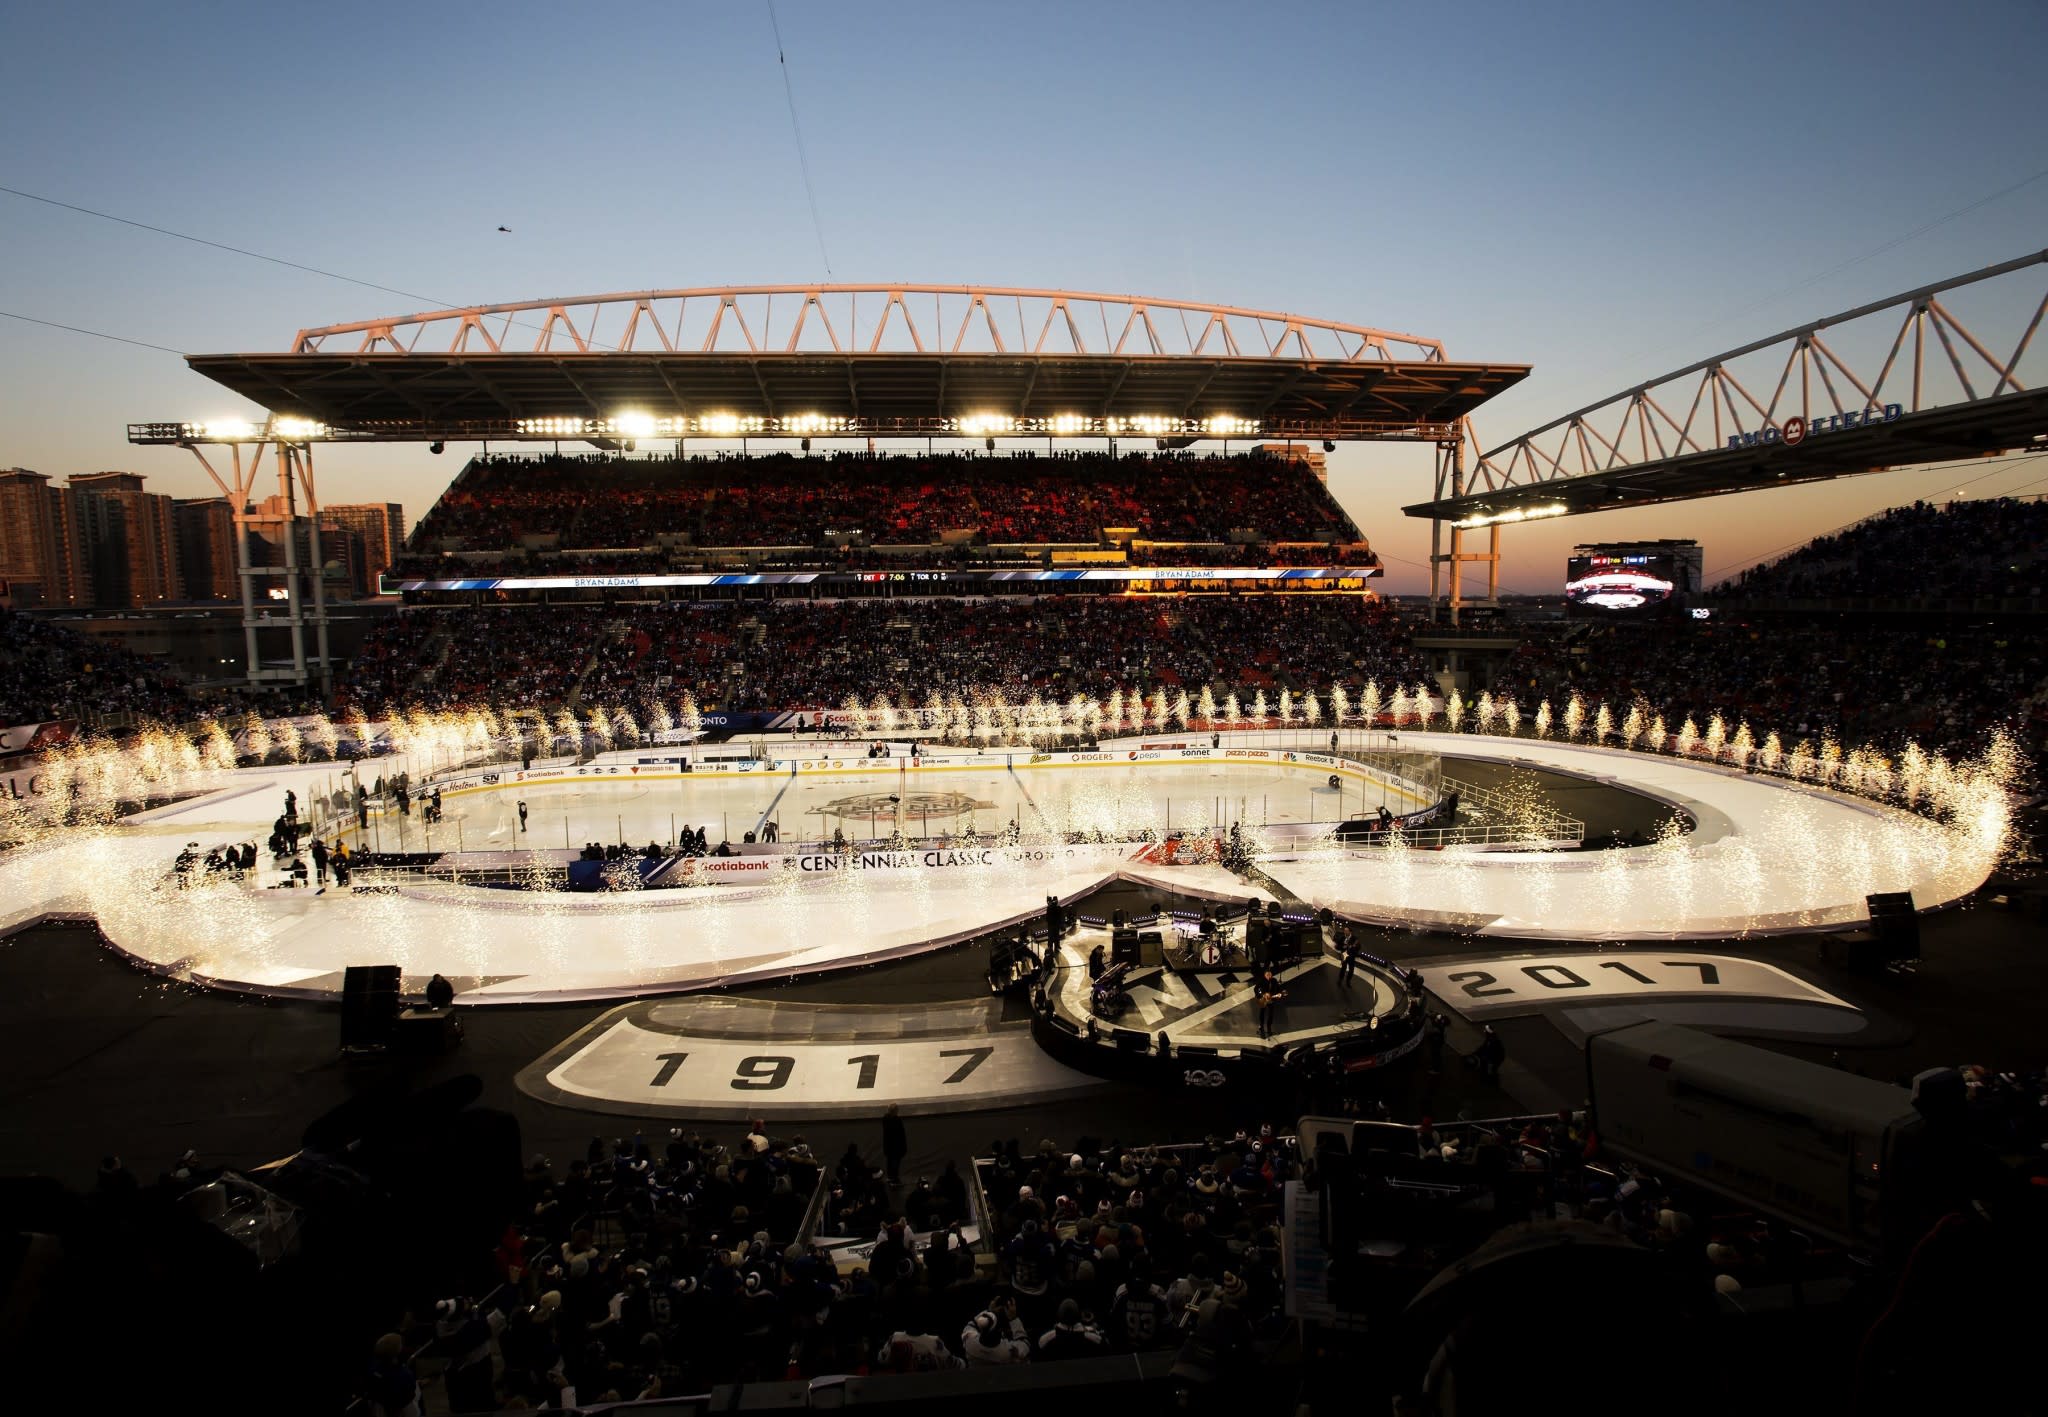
(1630, 582)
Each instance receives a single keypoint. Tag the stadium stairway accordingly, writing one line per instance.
(439, 643)
(612, 631)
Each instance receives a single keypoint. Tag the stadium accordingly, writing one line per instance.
(976, 720)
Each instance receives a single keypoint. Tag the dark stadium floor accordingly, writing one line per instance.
(99, 1057)
(1602, 808)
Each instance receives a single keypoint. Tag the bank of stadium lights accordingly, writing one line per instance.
(220, 430)
(1076, 425)
(240, 430)
(986, 425)
(809, 423)
(1519, 514)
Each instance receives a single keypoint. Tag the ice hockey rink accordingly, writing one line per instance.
(1765, 856)
(628, 800)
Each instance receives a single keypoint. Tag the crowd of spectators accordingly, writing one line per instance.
(1945, 679)
(50, 672)
(639, 1270)
(1059, 646)
(443, 566)
(781, 499)
(784, 654)
(1944, 682)
(1992, 547)
(2007, 1111)
(644, 1270)
(1108, 1248)
(518, 658)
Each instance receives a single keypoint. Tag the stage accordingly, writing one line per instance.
(1182, 1008)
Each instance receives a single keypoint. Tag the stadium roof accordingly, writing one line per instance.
(1894, 383)
(1958, 431)
(875, 360)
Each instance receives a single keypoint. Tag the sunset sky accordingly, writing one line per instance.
(1604, 192)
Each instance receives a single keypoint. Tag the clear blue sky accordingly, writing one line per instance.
(1602, 191)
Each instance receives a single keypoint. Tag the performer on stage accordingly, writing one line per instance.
(1269, 995)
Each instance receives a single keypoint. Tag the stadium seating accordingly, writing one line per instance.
(1992, 547)
(780, 500)
(782, 654)
(48, 671)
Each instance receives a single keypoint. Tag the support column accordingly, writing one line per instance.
(1436, 542)
(238, 502)
(245, 569)
(289, 525)
(304, 458)
(1450, 468)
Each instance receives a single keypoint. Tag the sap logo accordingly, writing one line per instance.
(1202, 1077)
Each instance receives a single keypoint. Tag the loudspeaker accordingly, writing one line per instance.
(1123, 947)
(1896, 925)
(1132, 1040)
(1151, 947)
(1055, 919)
(1257, 933)
(369, 1005)
(426, 1030)
(1294, 941)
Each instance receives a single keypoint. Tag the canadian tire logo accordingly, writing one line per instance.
(1794, 432)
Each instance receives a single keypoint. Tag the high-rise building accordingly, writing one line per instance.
(131, 541)
(341, 551)
(32, 559)
(1309, 457)
(382, 528)
(206, 547)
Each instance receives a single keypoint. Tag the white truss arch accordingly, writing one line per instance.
(850, 319)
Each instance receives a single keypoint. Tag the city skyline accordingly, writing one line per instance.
(1605, 201)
